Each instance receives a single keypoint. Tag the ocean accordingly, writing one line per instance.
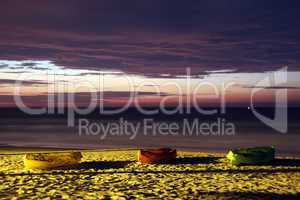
(131, 130)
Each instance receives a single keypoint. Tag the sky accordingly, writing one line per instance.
(152, 50)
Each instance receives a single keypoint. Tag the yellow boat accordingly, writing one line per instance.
(51, 160)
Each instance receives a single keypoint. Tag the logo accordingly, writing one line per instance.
(274, 80)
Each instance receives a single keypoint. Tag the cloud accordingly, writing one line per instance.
(3, 66)
(23, 82)
(151, 85)
(112, 94)
(29, 64)
(269, 87)
(149, 39)
(144, 55)
(221, 71)
(154, 38)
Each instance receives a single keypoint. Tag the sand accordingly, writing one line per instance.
(117, 175)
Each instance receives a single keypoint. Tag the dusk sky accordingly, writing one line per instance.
(152, 43)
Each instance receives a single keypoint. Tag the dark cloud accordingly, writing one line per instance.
(22, 83)
(100, 73)
(270, 87)
(28, 64)
(153, 37)
(111, 94)
(150, 85)
(80, 98)
(14, 72)
(3, 66)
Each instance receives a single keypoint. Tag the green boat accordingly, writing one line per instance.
(256, 155)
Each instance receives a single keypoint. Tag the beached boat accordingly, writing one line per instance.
(256, 155)
(157, 156)
(51, 160)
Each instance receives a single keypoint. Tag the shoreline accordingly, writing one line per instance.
(14, 150)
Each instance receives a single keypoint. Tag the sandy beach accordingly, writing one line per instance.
(117, 175)
(149, 99)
